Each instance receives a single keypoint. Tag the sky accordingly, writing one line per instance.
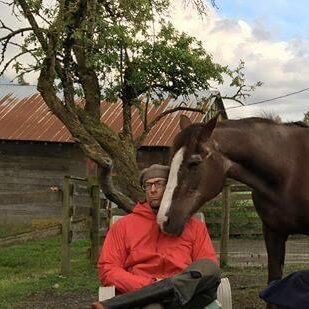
(283, 19)
(271, 37)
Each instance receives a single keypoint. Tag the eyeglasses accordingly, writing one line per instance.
(159, 184)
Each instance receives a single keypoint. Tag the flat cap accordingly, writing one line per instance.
(154, 171)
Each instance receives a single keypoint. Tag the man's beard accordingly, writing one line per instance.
(155, 205)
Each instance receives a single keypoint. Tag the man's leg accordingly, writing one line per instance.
(196, 287)
(201, 279)
(161, 291)
(153, 306)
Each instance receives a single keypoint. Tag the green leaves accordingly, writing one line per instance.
(173, 63)
(127, 43)
(168, 62)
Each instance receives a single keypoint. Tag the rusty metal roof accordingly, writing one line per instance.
(29, 119)
(24, 116)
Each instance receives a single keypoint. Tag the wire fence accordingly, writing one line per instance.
(252, 252)
(242, 233)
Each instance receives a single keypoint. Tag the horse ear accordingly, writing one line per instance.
(209, 127)
(184, 122)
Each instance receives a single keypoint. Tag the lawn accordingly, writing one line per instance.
(33, 268)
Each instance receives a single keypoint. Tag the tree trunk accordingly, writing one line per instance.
(98, 143)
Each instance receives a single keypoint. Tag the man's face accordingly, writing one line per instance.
(154, 189)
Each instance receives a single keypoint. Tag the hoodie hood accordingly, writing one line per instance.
(144, 210)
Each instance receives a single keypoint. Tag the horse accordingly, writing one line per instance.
(272, 158)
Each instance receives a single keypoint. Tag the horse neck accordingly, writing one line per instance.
(252, 158)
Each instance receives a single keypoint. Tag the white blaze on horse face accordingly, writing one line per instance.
(170, 187)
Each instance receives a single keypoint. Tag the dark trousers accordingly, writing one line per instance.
(194, 288)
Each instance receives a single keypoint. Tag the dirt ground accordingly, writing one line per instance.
(49, 300)
(83, 300)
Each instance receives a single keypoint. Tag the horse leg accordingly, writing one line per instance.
(275, 246)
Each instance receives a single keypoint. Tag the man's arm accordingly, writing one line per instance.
(111, 264)
(202, 245)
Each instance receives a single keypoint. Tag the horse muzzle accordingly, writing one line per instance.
(173, 228)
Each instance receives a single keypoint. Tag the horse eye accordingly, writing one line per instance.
(195, 159)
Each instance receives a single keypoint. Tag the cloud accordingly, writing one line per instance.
(260, 31)
(283, 66)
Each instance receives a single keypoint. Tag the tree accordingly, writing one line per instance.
(101, 49)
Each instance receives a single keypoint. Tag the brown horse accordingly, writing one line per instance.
(271, 158)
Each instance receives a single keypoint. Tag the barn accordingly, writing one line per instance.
(37, 151)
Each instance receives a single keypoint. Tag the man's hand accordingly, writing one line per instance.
(97, 306)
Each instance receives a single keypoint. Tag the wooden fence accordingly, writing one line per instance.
(243, 218)
(55, 211)
(231, 213)
(81, 198)
(94, 204)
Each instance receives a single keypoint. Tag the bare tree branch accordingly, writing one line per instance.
(5, 40)
(233, 99)
(142, 137)
(13, 32)
(111, 192)
(34, 25)
(10, 61)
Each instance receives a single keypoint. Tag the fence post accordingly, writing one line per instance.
(225, 226)
(67, 212)
(95, 221)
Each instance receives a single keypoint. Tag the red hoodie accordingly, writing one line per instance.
(135, 251)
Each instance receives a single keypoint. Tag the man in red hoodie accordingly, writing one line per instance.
(153, 269)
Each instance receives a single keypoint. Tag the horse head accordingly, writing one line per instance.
(197, 174)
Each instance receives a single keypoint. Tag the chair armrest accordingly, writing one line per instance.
(214, 305)
(106, 292)
(224, 294)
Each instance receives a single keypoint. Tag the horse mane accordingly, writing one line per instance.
(191, 135)
(251, 120)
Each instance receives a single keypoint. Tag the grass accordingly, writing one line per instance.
(34, 267)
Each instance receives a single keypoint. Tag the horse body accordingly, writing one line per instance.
(271, 158)
(274, 161)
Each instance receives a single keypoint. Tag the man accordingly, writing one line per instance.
(154, 269)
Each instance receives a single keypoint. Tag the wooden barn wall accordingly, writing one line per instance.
(34, 167)
(27, 169)
(151, 155)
